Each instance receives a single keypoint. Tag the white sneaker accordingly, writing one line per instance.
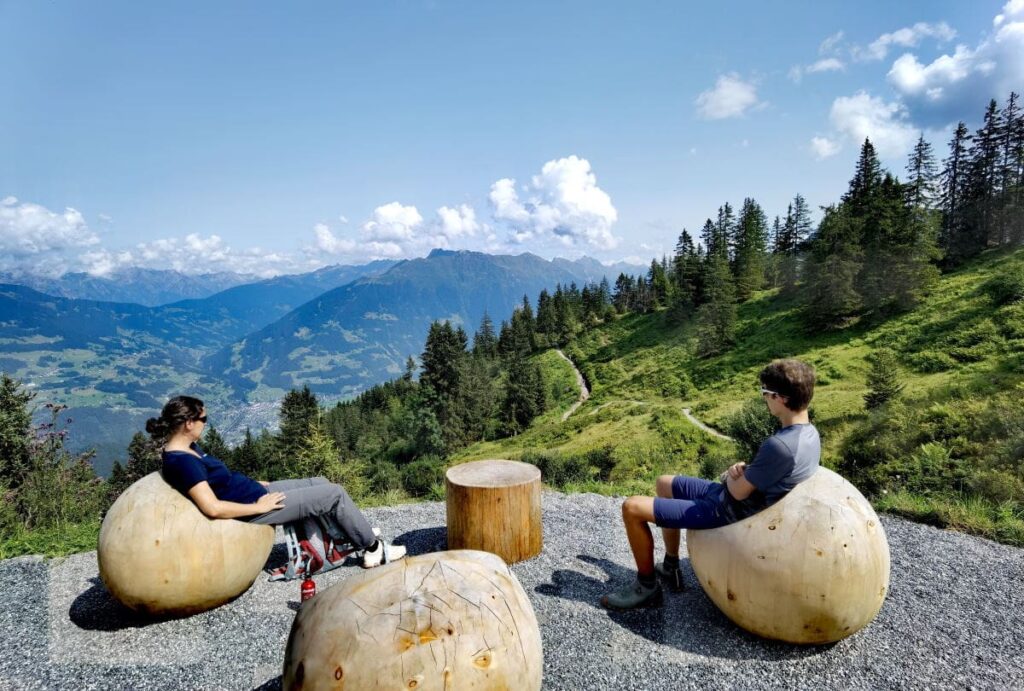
(384, 553)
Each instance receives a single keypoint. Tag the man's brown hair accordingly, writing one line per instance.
(790, 378)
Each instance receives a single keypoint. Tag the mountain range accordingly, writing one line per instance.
(338, 330)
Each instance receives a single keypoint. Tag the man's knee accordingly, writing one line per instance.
(664, 486)
(635, 508)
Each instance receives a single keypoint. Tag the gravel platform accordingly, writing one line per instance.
(954, 618)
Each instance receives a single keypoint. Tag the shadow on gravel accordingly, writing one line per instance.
(269, 685)
(688, 620)
(423, 540)
(97, 610)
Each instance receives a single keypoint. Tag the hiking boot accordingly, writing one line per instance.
(632, 596)
(384, 553)
(673, 577)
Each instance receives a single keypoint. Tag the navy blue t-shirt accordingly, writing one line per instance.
(784, 460)
(183, 471)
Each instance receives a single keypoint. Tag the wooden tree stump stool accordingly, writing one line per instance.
(494, 506)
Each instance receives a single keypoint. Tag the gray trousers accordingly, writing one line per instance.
(317, 496)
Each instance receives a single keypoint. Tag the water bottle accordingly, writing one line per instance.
(308, 588)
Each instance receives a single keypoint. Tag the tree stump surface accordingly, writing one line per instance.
(494, 506)
(431, 622)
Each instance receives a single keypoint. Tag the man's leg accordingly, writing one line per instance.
(671, 535)
(637, 513)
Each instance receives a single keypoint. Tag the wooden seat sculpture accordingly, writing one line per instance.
(494, 506)
(446, 620)
(812, 568)
(160, 555)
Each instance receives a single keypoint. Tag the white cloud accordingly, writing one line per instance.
(327, 242)
(954, 85)
(863, 115)
(30, 229)
(506, 203)
(1013, 8)
(823, 147)
(457, 222)
(831, 43)
(392, 223)
(730, 97)
(563, 203)
(907, 37)
(826, 65)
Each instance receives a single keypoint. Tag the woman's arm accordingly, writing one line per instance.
(212, 507)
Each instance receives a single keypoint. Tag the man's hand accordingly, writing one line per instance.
(264, 483)
(735, 471)
(271, 501)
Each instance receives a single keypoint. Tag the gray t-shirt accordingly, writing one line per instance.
(784, 460)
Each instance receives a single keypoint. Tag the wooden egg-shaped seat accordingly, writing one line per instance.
(811, 568)
(159, 554)
(446, 620)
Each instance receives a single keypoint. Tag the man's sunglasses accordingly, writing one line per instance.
(763, 392)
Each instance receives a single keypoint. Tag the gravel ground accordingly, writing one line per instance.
(953, 619)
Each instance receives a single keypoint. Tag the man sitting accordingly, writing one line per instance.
(785, 459)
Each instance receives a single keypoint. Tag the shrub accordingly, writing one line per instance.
(1006, 287)
(751, 425)
(929, 361)
(385, 476)
(420, 477)
(998, 486)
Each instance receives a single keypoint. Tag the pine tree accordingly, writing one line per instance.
(954, 238)
(299, 412)
(485, 343)
(716, 318)
(830, 295)
(883, 379)
(983, 182)
(921, 176)
(214, 444)
(686, 275)
(751, 249)
(1011, 131)
(524, 394)
(657, 279)
(867, 178)
(442, 355)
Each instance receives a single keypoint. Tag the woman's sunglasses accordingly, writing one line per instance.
(200, 419)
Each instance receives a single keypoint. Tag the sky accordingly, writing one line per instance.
(272, 138)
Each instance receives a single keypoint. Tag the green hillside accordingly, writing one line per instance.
(948, 450)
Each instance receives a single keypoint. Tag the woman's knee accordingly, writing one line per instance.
(663, 486)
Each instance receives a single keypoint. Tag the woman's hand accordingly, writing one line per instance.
(269, 502)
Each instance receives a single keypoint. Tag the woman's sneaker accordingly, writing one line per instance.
(632, 596)
(384, 553)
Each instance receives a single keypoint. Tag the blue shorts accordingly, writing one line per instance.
(696, 503)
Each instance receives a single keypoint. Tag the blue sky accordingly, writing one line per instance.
(271, 137)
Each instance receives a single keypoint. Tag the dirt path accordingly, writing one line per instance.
(709, 430)
(584, 391)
